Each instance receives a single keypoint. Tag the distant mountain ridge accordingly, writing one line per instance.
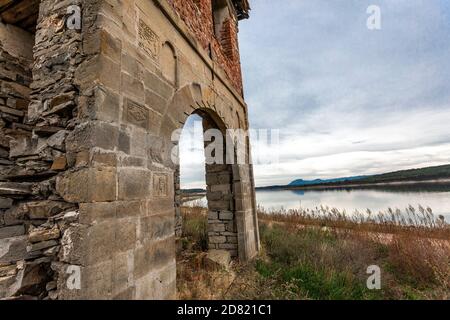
(301, 182)
(420, 174)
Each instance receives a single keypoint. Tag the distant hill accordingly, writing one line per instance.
(191, 191)
(421, 174)
(301, 182)
(428, 173)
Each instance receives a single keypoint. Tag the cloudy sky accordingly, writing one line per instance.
(347, 100)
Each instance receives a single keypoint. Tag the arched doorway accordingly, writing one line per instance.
(217, 182)
(232, 220)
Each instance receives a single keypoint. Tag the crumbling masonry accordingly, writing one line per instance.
(89, 192)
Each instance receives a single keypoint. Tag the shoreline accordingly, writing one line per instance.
(358, 185)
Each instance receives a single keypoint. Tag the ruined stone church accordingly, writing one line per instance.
(90, 94)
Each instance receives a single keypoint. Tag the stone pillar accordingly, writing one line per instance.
(222, 228)
(87, 190)
(124, 240)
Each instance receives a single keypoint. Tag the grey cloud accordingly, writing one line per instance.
(313, 69)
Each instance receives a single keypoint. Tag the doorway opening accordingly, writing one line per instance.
(205, 210)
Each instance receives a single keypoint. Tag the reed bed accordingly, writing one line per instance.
(323, 253)
(421, 220)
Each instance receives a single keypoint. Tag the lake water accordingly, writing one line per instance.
(436, 197)
(350, 200)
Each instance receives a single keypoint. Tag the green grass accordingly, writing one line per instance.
(323, 262)
(307, 281)
(310, 263)
(299, 261)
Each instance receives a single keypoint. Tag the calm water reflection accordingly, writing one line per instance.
(351, 200)
(437, 197)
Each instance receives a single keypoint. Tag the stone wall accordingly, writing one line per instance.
(88, 181)
(222, 228)
(43, 110)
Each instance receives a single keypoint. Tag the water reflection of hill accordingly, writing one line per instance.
(419, 187)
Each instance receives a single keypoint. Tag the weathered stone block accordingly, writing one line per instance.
(232, 239)
(127, 294)
(110, 46)
(157, 227)
(130, 65)
(41, 246)
(98, 70)
(228, 246)
(216, 227)
(219, 205)
(57, 141)
(97, 281)
(155, 102)
(88, 245)
(26, 146)
(131, 209)
(6, 203)
(91, 213)
(231, 226)
(101, 158)
(217, 239)
(153, 256)
(106, 105)
(15, 188)
(133, 88)
(13, 231)
(125, 238)
(130, 161)
(217, 260)
(215, 196)
(122, 271)
(124, 142)
(134, 184)
(157, 206)
(158, 285)
(13, 249)
(45, 209)
(158, 85)
(213, 215)
(135, 113)
(15, 215)
(93, 134)
(40, 235)
(139, 143)
(226, 215)
(59, 164)
(88, 185)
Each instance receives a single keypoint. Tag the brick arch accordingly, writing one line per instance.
(191, 98)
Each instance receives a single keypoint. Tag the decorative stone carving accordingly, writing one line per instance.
(148, 40)
(136, 114)
(160, 185)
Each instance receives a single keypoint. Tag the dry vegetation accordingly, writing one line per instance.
(324, 254)
(196, 280)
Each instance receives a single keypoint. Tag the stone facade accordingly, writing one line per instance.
(89, 191)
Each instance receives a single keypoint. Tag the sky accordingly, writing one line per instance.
(345, 100)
